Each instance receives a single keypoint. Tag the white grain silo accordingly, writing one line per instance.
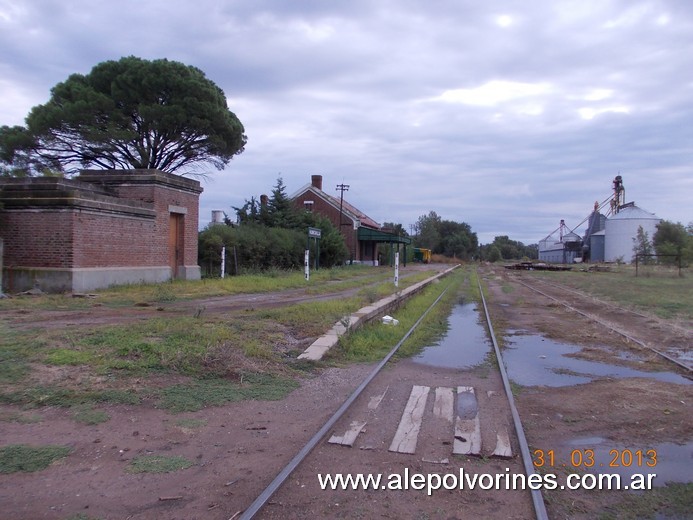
(622, 227)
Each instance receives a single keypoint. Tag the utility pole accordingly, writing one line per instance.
(342, 188)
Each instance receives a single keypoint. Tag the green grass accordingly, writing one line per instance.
(50, 395)
(372, 341)
(670, 501)
(23, 458)
(21, 418)
(215, 392)
(211, 351)
(668, 297)
(15, 351)
(158, 464)
(321, 281)
(89, 415)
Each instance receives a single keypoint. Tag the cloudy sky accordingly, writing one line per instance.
(507, 115)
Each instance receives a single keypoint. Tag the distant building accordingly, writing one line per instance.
(622, 228)
(361, 233)
(607, 238)
(563, 249)
(103, 228)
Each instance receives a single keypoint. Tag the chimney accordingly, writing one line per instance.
(316, 181)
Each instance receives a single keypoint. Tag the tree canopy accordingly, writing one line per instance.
(674, 239)
(271, 235)
(446, 237)
(126, 114)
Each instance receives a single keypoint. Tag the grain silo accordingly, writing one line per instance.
(622, 228)
(562, 250)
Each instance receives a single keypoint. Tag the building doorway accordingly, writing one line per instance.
(175, 244)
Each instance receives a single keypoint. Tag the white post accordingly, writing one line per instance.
(223, 260)
(306, 264)
(397, 269)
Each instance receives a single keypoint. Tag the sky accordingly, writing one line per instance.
(506, 115)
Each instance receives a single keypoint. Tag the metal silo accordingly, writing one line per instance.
(622, 227)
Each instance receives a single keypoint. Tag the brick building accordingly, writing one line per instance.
(361, 233)
(99, 229)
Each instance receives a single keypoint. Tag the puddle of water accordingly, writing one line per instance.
(467, 406)
(465, 345)
(670, 462)
(532, 360)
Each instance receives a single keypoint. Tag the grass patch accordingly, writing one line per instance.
(215, 392)
(13, 356)
(310, 318)
(158, 464)
(21, 418)
(89, 415)
(666, 297)
(372, 341)
(65, 356)
(21, 457)
(213, 350)
(65, 397)
(670, 501)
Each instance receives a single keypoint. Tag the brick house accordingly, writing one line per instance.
(361, 233)
(102, 228)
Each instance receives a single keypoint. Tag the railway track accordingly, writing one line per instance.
(411, 419)
(669, 341)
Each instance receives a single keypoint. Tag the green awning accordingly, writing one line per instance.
(376, 235)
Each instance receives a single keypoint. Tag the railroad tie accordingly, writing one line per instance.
(408, 430)
(467, 440)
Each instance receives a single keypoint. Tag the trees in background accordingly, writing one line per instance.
(269, 236)
(673, 239)
(126, 114)
(445, 237)
(502, 248)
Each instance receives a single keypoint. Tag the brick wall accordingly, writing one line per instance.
(98, 220)
(35, 238)
(163, 191)
(322, 207)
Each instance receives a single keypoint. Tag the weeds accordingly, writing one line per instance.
(21, 457)
(373, 341)
(88, 415)
(215, 392)
(158, 464)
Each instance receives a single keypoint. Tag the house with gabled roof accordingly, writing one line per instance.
(361, 233)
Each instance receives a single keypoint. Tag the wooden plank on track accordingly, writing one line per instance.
(410, 424)
(375, 400)
(444, 403)
(503, 449)
(467, 439)
(349, 437)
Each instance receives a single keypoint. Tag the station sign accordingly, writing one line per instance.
(314, 232)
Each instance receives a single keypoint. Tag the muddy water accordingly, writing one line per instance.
(465, 344)
(532, 360)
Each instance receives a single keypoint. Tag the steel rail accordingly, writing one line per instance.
(610, 327)
(613, 305)
(537, 498)
(260, 501)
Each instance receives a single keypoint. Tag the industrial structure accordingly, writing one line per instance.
(608, 238)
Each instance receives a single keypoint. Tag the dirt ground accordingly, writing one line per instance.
(239, 448)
